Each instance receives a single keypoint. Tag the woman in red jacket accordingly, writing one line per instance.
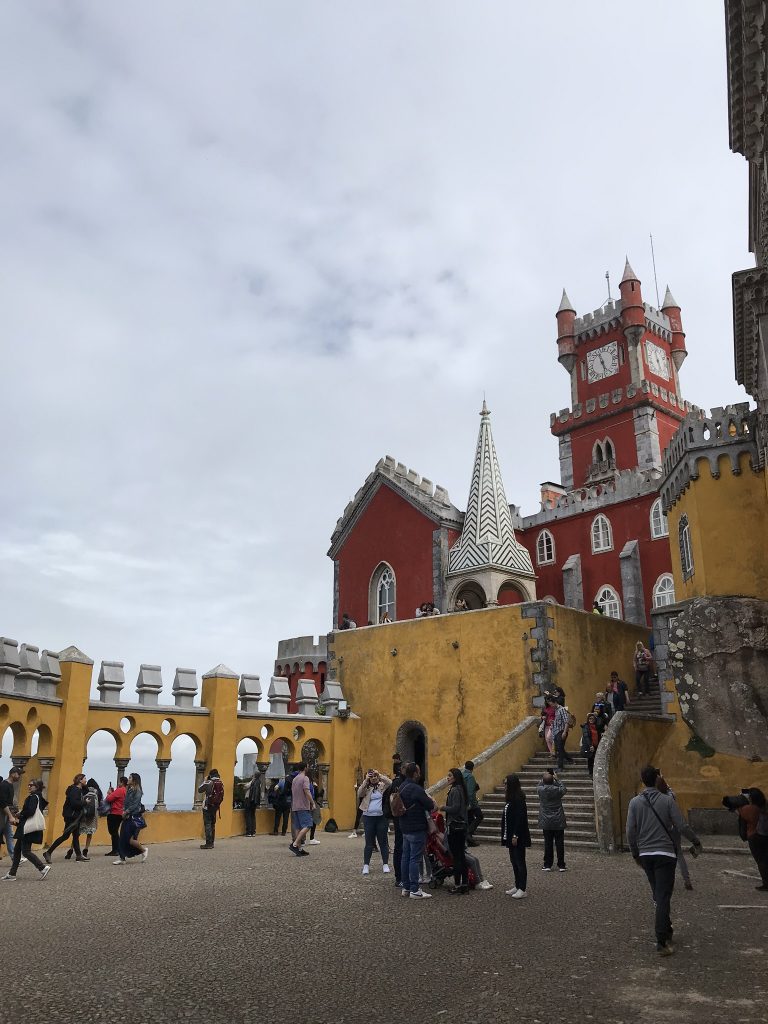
(116, 800)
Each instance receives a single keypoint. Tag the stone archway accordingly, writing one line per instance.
(411, 744)
(472, 594)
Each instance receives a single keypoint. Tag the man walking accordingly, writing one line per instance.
(301, 811)
(651, 818)
(474, 811)
(620, 692)
(413, 825)
(213, 788)
(72, 812)
(552, 819)
(251, 802)
(7, 803)
(560, 727)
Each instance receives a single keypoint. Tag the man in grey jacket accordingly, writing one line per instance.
(650, 819)
(552, 819)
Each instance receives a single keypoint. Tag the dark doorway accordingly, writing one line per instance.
(411, 744)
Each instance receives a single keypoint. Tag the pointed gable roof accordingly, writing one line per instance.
(629, 274)
(488, 537)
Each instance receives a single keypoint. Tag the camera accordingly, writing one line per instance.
(733, 803)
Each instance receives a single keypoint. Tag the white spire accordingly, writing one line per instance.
(488, 537)
(565, 304)
(669, 301)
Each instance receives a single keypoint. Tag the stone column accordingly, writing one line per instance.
(323, 770)
(262, 767)
(19, 762)
(199, 776)
(121, 763)
(46, 763)
(162, 767)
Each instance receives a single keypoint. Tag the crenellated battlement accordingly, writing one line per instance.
(608, 316)
(623, 486)
(646, 388)
(728, 430)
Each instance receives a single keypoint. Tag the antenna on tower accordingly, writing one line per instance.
(608, 282)
(655, 281)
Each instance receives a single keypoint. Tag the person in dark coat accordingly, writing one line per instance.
(251, 801)
(552, 819)
(26, 840)
(516, 834)
(72, 812)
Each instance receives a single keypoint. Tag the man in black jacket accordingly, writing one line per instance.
(72, 812)
(7, 803)
(413, 825)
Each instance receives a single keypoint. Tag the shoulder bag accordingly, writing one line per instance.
(35, 823)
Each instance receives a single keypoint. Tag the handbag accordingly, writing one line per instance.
(35, 823)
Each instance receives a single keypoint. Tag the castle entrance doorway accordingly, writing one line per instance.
(411, 744)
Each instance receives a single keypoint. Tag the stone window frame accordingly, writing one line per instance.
(668, 594)
(607, 595)
(686, 549)
(545, 553)
(376, 609)
(658, 519)
(598, 534)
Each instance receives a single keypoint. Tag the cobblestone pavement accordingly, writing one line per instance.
(249, 932)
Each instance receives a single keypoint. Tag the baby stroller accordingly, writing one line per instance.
(439, 857)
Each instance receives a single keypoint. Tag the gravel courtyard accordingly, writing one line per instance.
(249, 932)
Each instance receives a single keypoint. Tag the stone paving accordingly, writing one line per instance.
(249, 932)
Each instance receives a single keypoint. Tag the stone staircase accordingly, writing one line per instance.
(579, 803)
(650, 705)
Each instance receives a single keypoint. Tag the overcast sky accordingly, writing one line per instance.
(251, 248)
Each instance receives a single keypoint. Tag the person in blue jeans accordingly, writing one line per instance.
(413, 825)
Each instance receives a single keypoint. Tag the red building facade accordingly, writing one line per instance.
(600, 535)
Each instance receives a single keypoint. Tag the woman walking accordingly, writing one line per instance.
(456, 823)
(89, 822)
(590, 738)
(371, 796)
(755, 815)
(516, 834)
(548, 713)
(29, 832)
(133, 822)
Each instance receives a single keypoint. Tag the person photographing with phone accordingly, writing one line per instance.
(370, 793)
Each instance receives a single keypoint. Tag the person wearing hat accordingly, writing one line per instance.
(7, 804)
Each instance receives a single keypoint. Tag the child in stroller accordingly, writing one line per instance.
(440, 862)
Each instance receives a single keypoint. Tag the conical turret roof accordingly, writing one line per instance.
(669, 300)
(488, 536)
(629, 274)
(565, 304)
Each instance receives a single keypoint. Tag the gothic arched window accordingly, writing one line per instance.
(609, 601)
(664, 591)
(545, 548)
(382, 593)
(602, 538)
(686, 551)
(659, 527)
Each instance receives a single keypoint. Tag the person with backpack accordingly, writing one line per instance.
(397, 848)
(412, 805)
(213, 788)
(755, 817)
(29, 832)
(92, 797)
(72, 812)
(651, 818)
(643, 659)
(563, 722)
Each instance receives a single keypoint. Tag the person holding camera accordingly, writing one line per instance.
(370, 793)
(652, 819)
(752, 808)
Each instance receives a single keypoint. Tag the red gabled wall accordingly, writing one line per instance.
(391, 530)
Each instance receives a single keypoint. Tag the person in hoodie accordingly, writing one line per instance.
(552, 819)
(652, 818)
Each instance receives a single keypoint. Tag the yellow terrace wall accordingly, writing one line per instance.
(728, 519)
(468, 678)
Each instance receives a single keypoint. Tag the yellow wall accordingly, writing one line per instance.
(728, 520)
(467, 696)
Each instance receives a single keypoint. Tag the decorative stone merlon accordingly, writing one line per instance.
(29, 670)
(149, 685)
(50, 674)
(279, 695)
(330, 697)
(249, 693)
(9, 662)
(74, 656)
(111, 681)
(221, 672)
(306, 696)
(184, 687)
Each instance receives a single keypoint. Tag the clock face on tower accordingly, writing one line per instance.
(603, 362)
(657, 360)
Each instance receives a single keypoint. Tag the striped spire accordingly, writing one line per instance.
(488, 537)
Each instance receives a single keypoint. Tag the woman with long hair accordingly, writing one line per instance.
(515, 834)
(92, 798)
(456, 823)
(133, 822)
(548, 713)
(755, 815)
(29, 831)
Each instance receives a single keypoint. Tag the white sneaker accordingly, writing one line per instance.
(8, 878)
(510, 892)
(44, 872)
(385, 869)
(521, 894)
(421, 895)
(484, 885)
(546, 869)
(313, 842)
(352, 835)
(145, 854)
(561, 869)
(23, 860)
(119, 861)
(366, 869)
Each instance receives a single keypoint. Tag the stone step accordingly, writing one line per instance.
(585, 815)
(497, 802)
(578, 844)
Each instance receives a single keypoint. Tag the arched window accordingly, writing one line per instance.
(382, 593)
(664, 591)
(597, 452)
(686, 552)
(602, 538)
(608, 450)
(659, 527)
(545, 548)
(609, 601)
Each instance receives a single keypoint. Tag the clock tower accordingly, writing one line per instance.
(623, 360)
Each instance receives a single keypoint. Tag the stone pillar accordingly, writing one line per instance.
(121, 763)
(220, 697)
(199, 776)
(279, 695)
(46, 763)
(632, 583)
(148, 685)
(162, 767)
(306, 696)
(29, 670)
(573, 588)
(185, 687)
(20, 762)
(331, 696)
(262, 767)
(48, 684)
(9, 663)
(111, 681)
(324, 770)
(249, 693)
